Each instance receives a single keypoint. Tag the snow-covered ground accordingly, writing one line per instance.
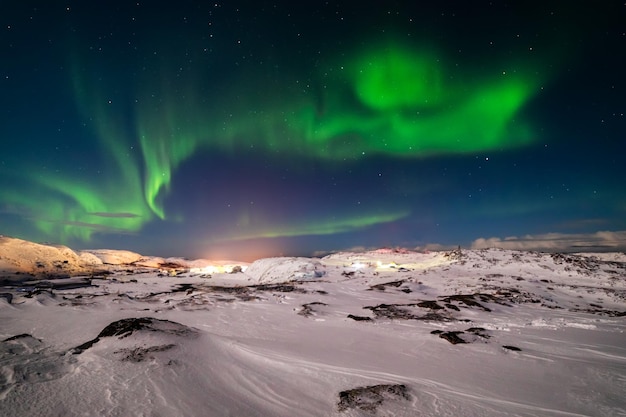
(387, 333)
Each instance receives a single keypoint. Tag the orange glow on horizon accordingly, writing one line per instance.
(246, 251)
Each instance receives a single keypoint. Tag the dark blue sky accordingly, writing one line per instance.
(248, 129)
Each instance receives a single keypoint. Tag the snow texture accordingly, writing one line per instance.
(383, 333)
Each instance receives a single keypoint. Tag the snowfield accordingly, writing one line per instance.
(383, 333)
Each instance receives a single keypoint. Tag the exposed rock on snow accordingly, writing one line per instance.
(140, 354)
(381, 287)
(371, 398)
(359, 318)
(512, 348)
(308, 309)
(125, 327)
(452, 337)
(475, 333)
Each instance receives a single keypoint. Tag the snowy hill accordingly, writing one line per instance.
(471, 333)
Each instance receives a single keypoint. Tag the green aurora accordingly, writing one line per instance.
(390, 100)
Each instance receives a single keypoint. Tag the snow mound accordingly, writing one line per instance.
(89, 258)
(24, 257)
(115, 257)
(144, 325)
(285, 269)
(384, 260)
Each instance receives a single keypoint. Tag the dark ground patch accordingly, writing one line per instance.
(359, 318)
(501, 296)
(600, 311)
(140, 354)
(466, 299)
(513, 348)
(20, 336)
(384, 285)
(452, 307)
(278, 288)
(228, 290)
(308, 310)
(393, 311)
(39, 291)
(370, 398)
(402, 312)
(429, 304)
(479, 331)
(452, 337)
(188, 288)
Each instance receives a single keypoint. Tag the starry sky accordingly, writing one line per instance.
(244, 129)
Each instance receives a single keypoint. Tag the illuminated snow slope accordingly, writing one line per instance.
(471, 333)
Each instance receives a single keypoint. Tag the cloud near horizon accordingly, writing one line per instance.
(598, 241)
(114, 215)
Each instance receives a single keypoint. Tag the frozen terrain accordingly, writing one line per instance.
(382, 333)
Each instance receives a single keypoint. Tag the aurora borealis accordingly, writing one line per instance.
(246, 129)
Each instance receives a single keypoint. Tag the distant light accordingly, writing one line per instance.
(216, 269)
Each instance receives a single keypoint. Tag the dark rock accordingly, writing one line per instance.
(429, 304)
(171, 265)
(278, 288)
(19, 336)
(433, 317)
(229, 290)
(479, 331)
(307, 309)
(39, 291)
(513, 348)
(125, 327)
(401, 312)
(452, 337)
(467, 299)
(381, 287)
(139, 354)
(393, 311)
(359, 318)
(183, 288)
(371, 397)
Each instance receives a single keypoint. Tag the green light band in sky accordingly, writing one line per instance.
(391, 100)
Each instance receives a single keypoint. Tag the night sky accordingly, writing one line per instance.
(244, 129)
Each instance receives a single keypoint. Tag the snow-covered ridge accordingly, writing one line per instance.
(283, 269)
(21, 259)
(21, 256)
